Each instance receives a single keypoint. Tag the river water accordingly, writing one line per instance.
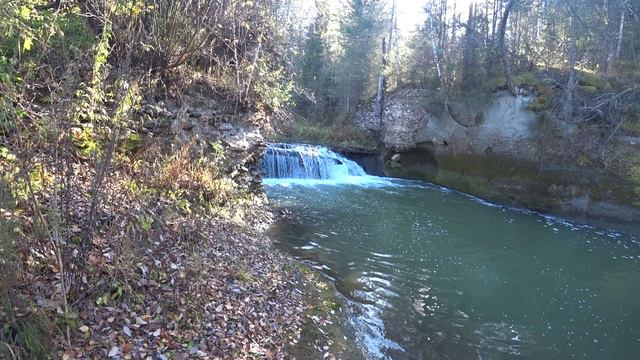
(429, 273)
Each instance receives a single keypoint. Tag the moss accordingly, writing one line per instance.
(594, 80)
(326, 133)
(543, 99)
(322, 302)
(588, 89)
(512, 181)
(526, 79)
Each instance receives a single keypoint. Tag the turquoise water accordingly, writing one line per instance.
(429, 273)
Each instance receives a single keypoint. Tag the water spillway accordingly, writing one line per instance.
(293, 161)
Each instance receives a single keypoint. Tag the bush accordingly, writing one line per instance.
(338, 133)
(594, 80)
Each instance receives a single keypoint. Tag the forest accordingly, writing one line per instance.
(142, 144)
(583, 52)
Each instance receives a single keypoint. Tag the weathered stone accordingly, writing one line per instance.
(152, 110)
(495, 150)
(150, 124)
(194, 113)
(225, 127)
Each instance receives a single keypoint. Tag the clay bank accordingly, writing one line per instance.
(503, 151)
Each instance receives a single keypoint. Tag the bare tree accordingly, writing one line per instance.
(503, 51)
(382, 79)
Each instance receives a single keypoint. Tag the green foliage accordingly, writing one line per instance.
(632, 122)
(538, 104)
(131, 143)
(635, 176)
(114, 294)
(102, 54)
(358, 67)
(526, 79)
(85, 140)
(270, 90)
(145, 223)
(589, 90)
(334, 133)
(6, 155)
(30, 335)
(20, 183)
(243, 274)
(597, 81)
(435, 103)
(75, 36)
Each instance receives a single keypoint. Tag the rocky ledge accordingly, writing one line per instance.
(503, 151)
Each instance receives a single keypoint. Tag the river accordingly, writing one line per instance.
(430, 273)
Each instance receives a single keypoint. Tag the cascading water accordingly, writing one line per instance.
(294, 161)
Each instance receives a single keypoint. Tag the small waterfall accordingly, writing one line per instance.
(293, 161)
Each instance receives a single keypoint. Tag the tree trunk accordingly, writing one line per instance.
(382, 79)
(571, 82)
(621, 31)
(609, 47)
(381, 82)
(503, 51)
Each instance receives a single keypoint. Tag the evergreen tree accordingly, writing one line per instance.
(315, 72)
(361, 31)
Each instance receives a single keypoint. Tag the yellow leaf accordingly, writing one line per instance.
(28, 42)
(25, 12)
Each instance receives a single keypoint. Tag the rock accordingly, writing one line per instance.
(395, 165)
(194, 113)
(164, 123)
(150, 124)
(152, 110)
(396, 157)
(225, 127)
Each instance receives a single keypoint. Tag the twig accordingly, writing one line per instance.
(614, 131)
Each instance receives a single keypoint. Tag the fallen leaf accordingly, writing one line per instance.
(114, 351)
(181, 356)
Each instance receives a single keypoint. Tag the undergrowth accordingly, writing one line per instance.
(340, 133)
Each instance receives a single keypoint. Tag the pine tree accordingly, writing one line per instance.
(315, 72)
(361, 31)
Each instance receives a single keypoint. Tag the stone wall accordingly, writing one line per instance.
(201, 120)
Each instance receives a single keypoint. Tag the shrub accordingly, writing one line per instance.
(595, 80)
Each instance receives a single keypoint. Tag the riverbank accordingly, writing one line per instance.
(158, 279)
(164, 282)
(505, 149)
(167, 256)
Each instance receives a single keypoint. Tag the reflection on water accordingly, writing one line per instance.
(433, 274)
